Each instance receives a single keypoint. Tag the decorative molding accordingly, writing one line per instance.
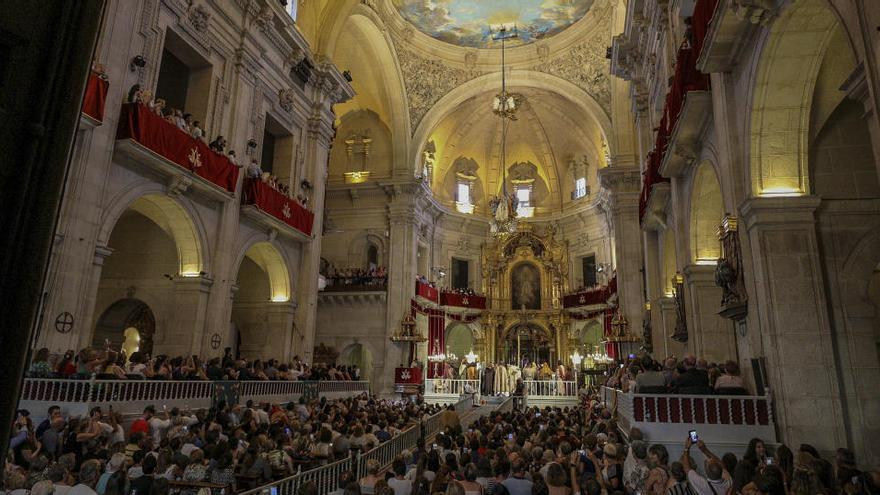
(428, 80)
(198, 17)
(585, 66)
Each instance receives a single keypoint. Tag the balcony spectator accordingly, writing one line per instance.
(197, 131)
(691, 380)
(40, 366)
(218, 144)
(651, 380)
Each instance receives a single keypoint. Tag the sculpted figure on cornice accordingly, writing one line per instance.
(427, 81)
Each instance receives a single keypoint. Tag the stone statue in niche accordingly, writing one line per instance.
(525, 287)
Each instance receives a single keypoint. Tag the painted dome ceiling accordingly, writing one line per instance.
(466, 22)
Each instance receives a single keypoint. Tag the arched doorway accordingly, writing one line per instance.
(358, 355)
(128, 324)
(459, 340)
(154, 249)
(262, 316)
(527, 342)
(590, 336)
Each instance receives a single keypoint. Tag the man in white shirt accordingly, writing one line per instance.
(157, 425)
(716, 481)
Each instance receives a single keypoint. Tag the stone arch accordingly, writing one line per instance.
(459, 339)
(377, 46)
(706, 212)
(358, 354)
(579, 99)
(175, 217)
(357, 250)
(783, 98)
(121, 315)
(273, 263)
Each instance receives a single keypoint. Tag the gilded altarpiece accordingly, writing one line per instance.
(524, 275)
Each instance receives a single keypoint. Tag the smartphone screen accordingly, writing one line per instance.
(769, 461)
(510, 436)
(694, 436)
(273, 490)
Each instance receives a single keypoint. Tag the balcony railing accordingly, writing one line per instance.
(447, 386)
(425, 291)
(730, 420)
(267, 201)
(590, 297)
(131, 396)
(462, 300)
(148, 141)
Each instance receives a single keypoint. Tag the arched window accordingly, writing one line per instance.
(372, 255)
(580, 187)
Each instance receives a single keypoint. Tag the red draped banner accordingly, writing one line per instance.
(137, 122)
(408, 375)
(611, 348)
(462, 300)
(704, 11)
(427, 292)
(95, 97)
(263, 196)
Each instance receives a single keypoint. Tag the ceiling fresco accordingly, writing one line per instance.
(467, 22)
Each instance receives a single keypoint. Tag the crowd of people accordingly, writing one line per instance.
(554, 451)
(186, 123)
(240, 446)
(108, 364)
(688, 375)
(357, 277)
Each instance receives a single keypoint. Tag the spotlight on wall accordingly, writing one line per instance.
(138, 62)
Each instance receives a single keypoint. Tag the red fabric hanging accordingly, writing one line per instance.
(263, 196)
(95, 97)
(611, 348)
(436, 341)
(137, 122)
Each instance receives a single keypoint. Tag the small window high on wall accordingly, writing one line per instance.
(184, 79)
(290, 7)
(463, 198)
(580, 188)
(460, 270)
(588, 266)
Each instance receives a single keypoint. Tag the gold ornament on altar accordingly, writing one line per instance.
(407, 331)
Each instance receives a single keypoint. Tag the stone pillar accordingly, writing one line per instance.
(712, 336)
(280, 317)
(664, 345)
(317, 151)
(621, 187)
(403, 248)
(186, 330)
(329, 88)
(789, 312)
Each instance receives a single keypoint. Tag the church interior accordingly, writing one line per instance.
(448, 199)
